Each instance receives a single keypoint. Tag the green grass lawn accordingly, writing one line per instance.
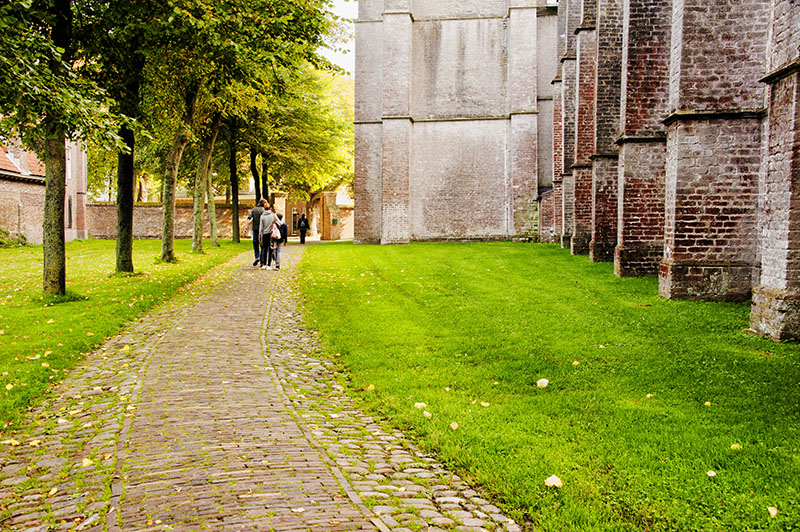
(646, 399)
(40, 340)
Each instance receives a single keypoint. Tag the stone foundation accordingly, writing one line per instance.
(705, 280)
(604, 209)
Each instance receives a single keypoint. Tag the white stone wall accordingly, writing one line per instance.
(459, 89)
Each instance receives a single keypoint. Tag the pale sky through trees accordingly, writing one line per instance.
(347, 9)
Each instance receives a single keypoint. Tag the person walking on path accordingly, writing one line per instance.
(255, 216)
(279, 244)
(264, 230)
(302, 226)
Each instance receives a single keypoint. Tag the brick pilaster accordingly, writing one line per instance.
(642, 154)
(607, 104)
(397, 27)
(713, 149)
(584, 137)
(776, 300)
(367, 186)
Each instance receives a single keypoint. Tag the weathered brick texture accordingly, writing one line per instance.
(718, 54)
(640, 232)
(713, 148)
(606, 124)
(454, 151)
(776, 301)
(644, 98)
(547, 217)
(584, 138)
(604, 208)
(711, 196)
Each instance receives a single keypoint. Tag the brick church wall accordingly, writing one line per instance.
(22, 207)
(714, 142)
(148, 219)
(776, 300)
(607, 102)
(450, 151)
(644, 100)
(584, 123)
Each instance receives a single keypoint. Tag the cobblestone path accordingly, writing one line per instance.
(214, 413)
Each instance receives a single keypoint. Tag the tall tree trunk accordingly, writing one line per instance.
(233, 170)
(201, 182)
(212, 205)
(55, 159)
(265, 179)
(254, 171)
(125, 183)
(199, 196)
(55, 263)
(171, 176)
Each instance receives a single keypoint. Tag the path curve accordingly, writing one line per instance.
(214, 412)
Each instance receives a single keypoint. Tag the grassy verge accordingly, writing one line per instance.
(659, 415)
(41, 338)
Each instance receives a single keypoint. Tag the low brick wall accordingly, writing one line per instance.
(22, 208)
(148, 219)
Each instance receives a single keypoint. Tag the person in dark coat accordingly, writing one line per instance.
(302, 226)
(255, 215)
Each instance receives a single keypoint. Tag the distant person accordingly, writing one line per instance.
(284, 230)
(265, 224)
(255, 215)
(302, 226)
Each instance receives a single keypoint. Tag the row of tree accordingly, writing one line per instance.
(150, 80)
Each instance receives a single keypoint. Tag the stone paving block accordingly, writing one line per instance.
(191, 424)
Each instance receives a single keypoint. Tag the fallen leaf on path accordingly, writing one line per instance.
(334, 522)
(35, 443)
(52, 492)
(298, 510)
(86, 462)
(553, 482)
(12, 443)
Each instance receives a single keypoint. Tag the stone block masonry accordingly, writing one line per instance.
(714, 141)
(606, 124)
(451, 150)
(644, 99)
(776, 299)
(584, 137)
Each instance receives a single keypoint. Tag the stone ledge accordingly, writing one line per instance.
(641, 139)
(781, 72)
(707, 114)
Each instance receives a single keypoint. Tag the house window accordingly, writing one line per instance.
(69, 213)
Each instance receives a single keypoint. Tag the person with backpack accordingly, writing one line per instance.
(302, 226)
(284, 236)
(255, 216)
(266, 222)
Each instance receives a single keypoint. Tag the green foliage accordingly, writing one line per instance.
(39, 80)
(8, 241)
(623, 421)
(38, 329)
